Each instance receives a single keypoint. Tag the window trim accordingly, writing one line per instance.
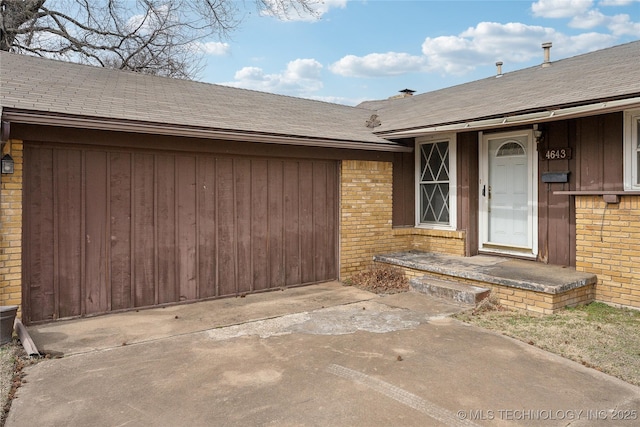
(450, 138)
(631, 150)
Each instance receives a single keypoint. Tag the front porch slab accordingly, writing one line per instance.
(519, 284)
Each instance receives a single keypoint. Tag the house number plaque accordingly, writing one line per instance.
(557, 153)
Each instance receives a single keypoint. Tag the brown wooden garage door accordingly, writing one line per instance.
(110, 230)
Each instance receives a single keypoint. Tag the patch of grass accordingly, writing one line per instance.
(13, 359)
(10, 354)
(597, 335)
(380, 279)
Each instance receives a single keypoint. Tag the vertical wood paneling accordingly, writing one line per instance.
(68, 166)
(96, 225)
(242, 178)
(225, 227)
(167, 231)
(38, 267)
(555, 241)
(468, 197)
(207, 235)
(331, 251)
(591, 154)
(143, 229)
(259, 222)
(320, 222)
(307, 246)
(597, 146)
(131, 229)
(613, 141)
(186, 226)
(120, 200)
(291, 223)
(404, 189)
(275, 223)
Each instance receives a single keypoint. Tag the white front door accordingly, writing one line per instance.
(507, 216)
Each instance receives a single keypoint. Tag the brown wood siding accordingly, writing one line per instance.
(468, 189)
(404, 191)
(126, 141)
(596, 164)
(108, 229)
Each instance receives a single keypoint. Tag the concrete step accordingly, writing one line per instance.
(456, 291)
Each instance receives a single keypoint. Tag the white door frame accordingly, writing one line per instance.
(483, 206)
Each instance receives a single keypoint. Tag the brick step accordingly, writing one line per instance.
(458, 292)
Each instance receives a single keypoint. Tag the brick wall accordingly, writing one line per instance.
(608, 245)
(366, 220)
(11, 229)
(540, 302)
(427, 240)
(365, 213)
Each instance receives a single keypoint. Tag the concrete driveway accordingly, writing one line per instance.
(314, 356)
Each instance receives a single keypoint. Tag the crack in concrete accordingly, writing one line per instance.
(402, 396)
(346, 319)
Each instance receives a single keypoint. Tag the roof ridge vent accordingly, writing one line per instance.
(546, 47)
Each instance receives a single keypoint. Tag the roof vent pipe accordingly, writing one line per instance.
(546, 47)
(499, 69)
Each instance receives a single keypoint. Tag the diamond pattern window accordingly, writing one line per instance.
(435, 183)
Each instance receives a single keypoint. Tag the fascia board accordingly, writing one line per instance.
(521, 119)
(48, 119)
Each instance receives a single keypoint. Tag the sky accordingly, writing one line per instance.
(359, 50)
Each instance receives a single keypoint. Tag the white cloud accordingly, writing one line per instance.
(303, 69)
(565, 46)
(616, 2)
(150, 20)
(584, 16)
(590, 19)
(622, 25)
(619, 25)
(340, 100)
(289, 11)
(477, 46)
(377, 65)
(485, 44)
(560, 8)
(250, 74)
(489, 42)
(513, 43)
(213, 48)
(324, 6)
(302, 77)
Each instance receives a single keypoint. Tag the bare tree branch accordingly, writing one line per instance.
(149, 36)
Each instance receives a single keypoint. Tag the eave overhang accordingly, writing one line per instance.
(546, 115)
(30, 117)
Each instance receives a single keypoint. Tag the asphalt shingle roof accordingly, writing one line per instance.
(605, 74)
(44, 85)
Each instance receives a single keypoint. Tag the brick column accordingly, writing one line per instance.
(608, 245)
(11, 228)
(366, 189)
